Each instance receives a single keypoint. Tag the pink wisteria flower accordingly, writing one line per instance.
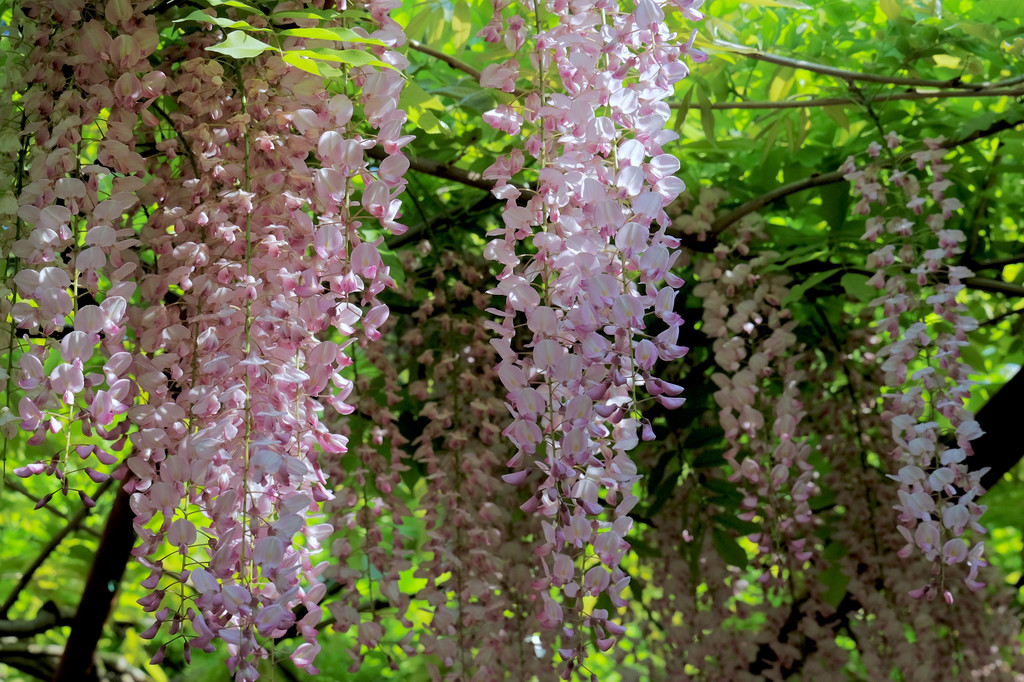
(595, 292)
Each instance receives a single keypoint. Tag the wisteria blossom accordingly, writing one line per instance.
(937, 491)
(587, 270)
(213, 384)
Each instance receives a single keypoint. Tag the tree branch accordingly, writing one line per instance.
(1000, 448)
(77, 664)
(38, 661)
(15, 485)
(754, 205)
(31, 659)
(447, 59)
(48, 617)
(994, 286)
(998, 264)
(455, 63)
(446, 172)
(850, 76)
(820, 179)
(843, 101)
(71, 525)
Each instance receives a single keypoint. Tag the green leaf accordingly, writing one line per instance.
(782, 83)
(835, 550)
(303, 63)
(727, 494)
(684, 108)
(318, 14)
(236, 4)
(708, 459)
(664, 493)
(641, 548)
(240, 45)
(856, 285)
(353, 57)
(891, 9)
(223, 22)
(797, 292)
(728, 548)
(739, 525)
(707, 116)
(391, 259)
(462, 26)
(838, 114)
(836, 581)
(792, 4)
(334, 33)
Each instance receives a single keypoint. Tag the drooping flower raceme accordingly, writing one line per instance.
(587, 271)
(926, 328)
(254, 214)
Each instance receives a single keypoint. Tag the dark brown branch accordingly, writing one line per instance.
(1000, 448)
(754, 205)
(71, 525)
(998, 264)
(447, 59)
(445, 171)
(820, 179)
(38, 660)
(48, 617)
(994, 286)
(77, 663)
(32, 659)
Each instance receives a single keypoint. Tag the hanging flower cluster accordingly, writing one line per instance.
(926, 328)
(251, 221)
(586, 261)
(858, 571)
(754, 345)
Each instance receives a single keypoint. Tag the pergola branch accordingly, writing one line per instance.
(38, 660)
(997, 264)
(447, 59)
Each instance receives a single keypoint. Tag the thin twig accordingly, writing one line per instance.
(994, 286)
(71, 525)
(820, 179)
(177, 133)
(998, 264)
(1002, 316)
(446, 58)
(855, 75)
(844, 101)
(456, 64)
(15, 485)
(47, 618)
(446, 172)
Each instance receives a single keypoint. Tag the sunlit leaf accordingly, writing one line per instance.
(334, 33)
(240, 45)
